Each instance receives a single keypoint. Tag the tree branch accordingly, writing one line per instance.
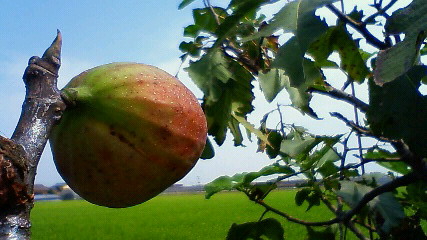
(381, 11)
(346, 217)
(42, 107)
(360, 27)
(387, 187)
(293, 219)
(341, 95)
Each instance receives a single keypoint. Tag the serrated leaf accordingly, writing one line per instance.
(396, 166)
(298, 146)
(234, 127)
(301, 72)
(301, 196)
(269, 228)
(385, 204)
(313, 199)
(227, 89)
(275, 139)
(231, 22)
(295, 17)
(399, 111)
(338, 39)
(251, 128)
(397, 60)
(184, 3)
(290, 58)
(327, 169)
(272, 83)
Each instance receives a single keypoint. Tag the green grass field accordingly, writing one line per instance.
(168, 216)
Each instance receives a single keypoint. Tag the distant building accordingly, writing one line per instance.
(41, 189)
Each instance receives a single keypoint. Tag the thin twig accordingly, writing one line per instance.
(208, 4)
(296, 220)
(381, 11)
(387, 187)
(347, 216)
(341, 95)
(358, 129)
(360, 27)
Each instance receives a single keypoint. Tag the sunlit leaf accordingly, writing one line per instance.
(296, 17)
(250, 127)
(227, 89)
(272, 83)
(267, 171)
(338, 39)
(298, 146)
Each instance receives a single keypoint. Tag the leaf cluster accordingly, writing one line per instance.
(234, 47)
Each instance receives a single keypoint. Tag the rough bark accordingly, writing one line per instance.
(19, 156)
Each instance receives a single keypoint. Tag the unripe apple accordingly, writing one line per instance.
(129, 132)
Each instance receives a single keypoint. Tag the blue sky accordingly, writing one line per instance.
(95, 33)
(98, 32)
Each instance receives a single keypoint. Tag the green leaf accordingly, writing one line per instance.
(338, 39)
(296, 17)
(327, 169)
(208, 151)
(399, 111)
(234, 127)
(192, 48)
(231, 22)
(385, 204)
(184, 3)
(301, 74)
(192, 30)
(396, 166)
(290, 58)
(313, 199)
(227, 89)
(274, 139)
(272, 83)
(301, 196)
(397, 60)
(266, 171)
(298, 146)
(327, 154)
(222, 183)
(251, 128)
(205, 20)
(260, 190)
(269, 228)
